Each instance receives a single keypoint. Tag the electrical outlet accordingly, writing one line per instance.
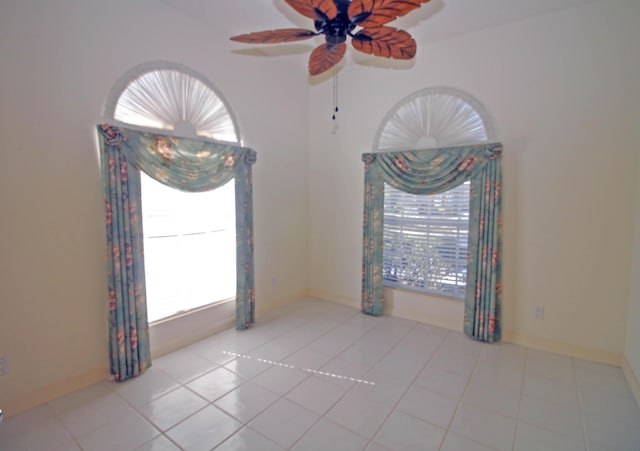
(4, 365)
(538, 312)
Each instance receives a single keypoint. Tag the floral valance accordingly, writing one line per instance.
(186, 164)
(432, 171)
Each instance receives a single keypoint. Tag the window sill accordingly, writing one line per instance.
(418, 291)
(203, 309)
(183, 329)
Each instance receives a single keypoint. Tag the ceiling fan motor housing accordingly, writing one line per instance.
(337, 29)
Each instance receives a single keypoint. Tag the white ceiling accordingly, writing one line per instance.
(434, 21)
(438, 19)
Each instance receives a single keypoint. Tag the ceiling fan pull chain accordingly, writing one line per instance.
(335, 92)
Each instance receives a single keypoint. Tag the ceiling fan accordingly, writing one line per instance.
(337, 19)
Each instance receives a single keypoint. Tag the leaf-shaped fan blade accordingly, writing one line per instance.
(325, 56)
(385, 41)
(308, 7)
(382, 11)
(275, 36)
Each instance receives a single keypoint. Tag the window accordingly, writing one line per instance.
(426, 237)
(189, 238)
(189, 247)
(426, 240)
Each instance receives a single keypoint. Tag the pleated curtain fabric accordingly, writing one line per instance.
(128, 328)
(187, 164)
(434, 171)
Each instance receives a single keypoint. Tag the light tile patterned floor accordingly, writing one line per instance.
(321, 376)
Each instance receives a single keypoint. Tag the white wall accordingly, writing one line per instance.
(561, 94)
(632, 349)
(59, 61)
(562, 89)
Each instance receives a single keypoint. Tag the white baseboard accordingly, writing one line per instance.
(166, 336)
(446, 322)
(556, 347)
(50, 392)
(632, 379)
(43, 395)
(398, 310)
(334, 298)
(434, 310)
(421, 317)
(264, 310)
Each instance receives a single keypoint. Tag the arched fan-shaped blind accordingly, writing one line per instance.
(435, 117)
(172, 97)
(426, 237)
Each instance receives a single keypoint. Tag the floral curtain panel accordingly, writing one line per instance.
(185, 164)
(430, 172)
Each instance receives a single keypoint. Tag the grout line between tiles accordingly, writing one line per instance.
(322, 324)
(408, 386)
(524, 372)
(354, 385)
(459, 403)
(583, 419)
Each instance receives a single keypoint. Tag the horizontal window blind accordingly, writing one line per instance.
(426, 241)
(189, 247)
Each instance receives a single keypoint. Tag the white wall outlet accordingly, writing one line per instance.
(538, 312)
(4, 365)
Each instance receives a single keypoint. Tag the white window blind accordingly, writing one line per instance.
(189, 247)
(426, 241)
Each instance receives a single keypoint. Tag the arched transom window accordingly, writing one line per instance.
(189, 238)
(426, 237)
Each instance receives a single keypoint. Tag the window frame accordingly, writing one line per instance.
(189, 131)
(397, 258)
(182, 232)
(413, 123)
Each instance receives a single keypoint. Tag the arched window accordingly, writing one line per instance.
(426, 236)
(189, 238)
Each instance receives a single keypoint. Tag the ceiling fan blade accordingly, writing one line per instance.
(308, 8)
(325, 56)
(275, 36)
(381, 12)
(386, 42)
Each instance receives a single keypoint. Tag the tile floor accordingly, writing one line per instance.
(321, 376)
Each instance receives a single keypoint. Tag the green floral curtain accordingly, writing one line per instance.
(185, 164)
(430, 172)
(128, 329)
